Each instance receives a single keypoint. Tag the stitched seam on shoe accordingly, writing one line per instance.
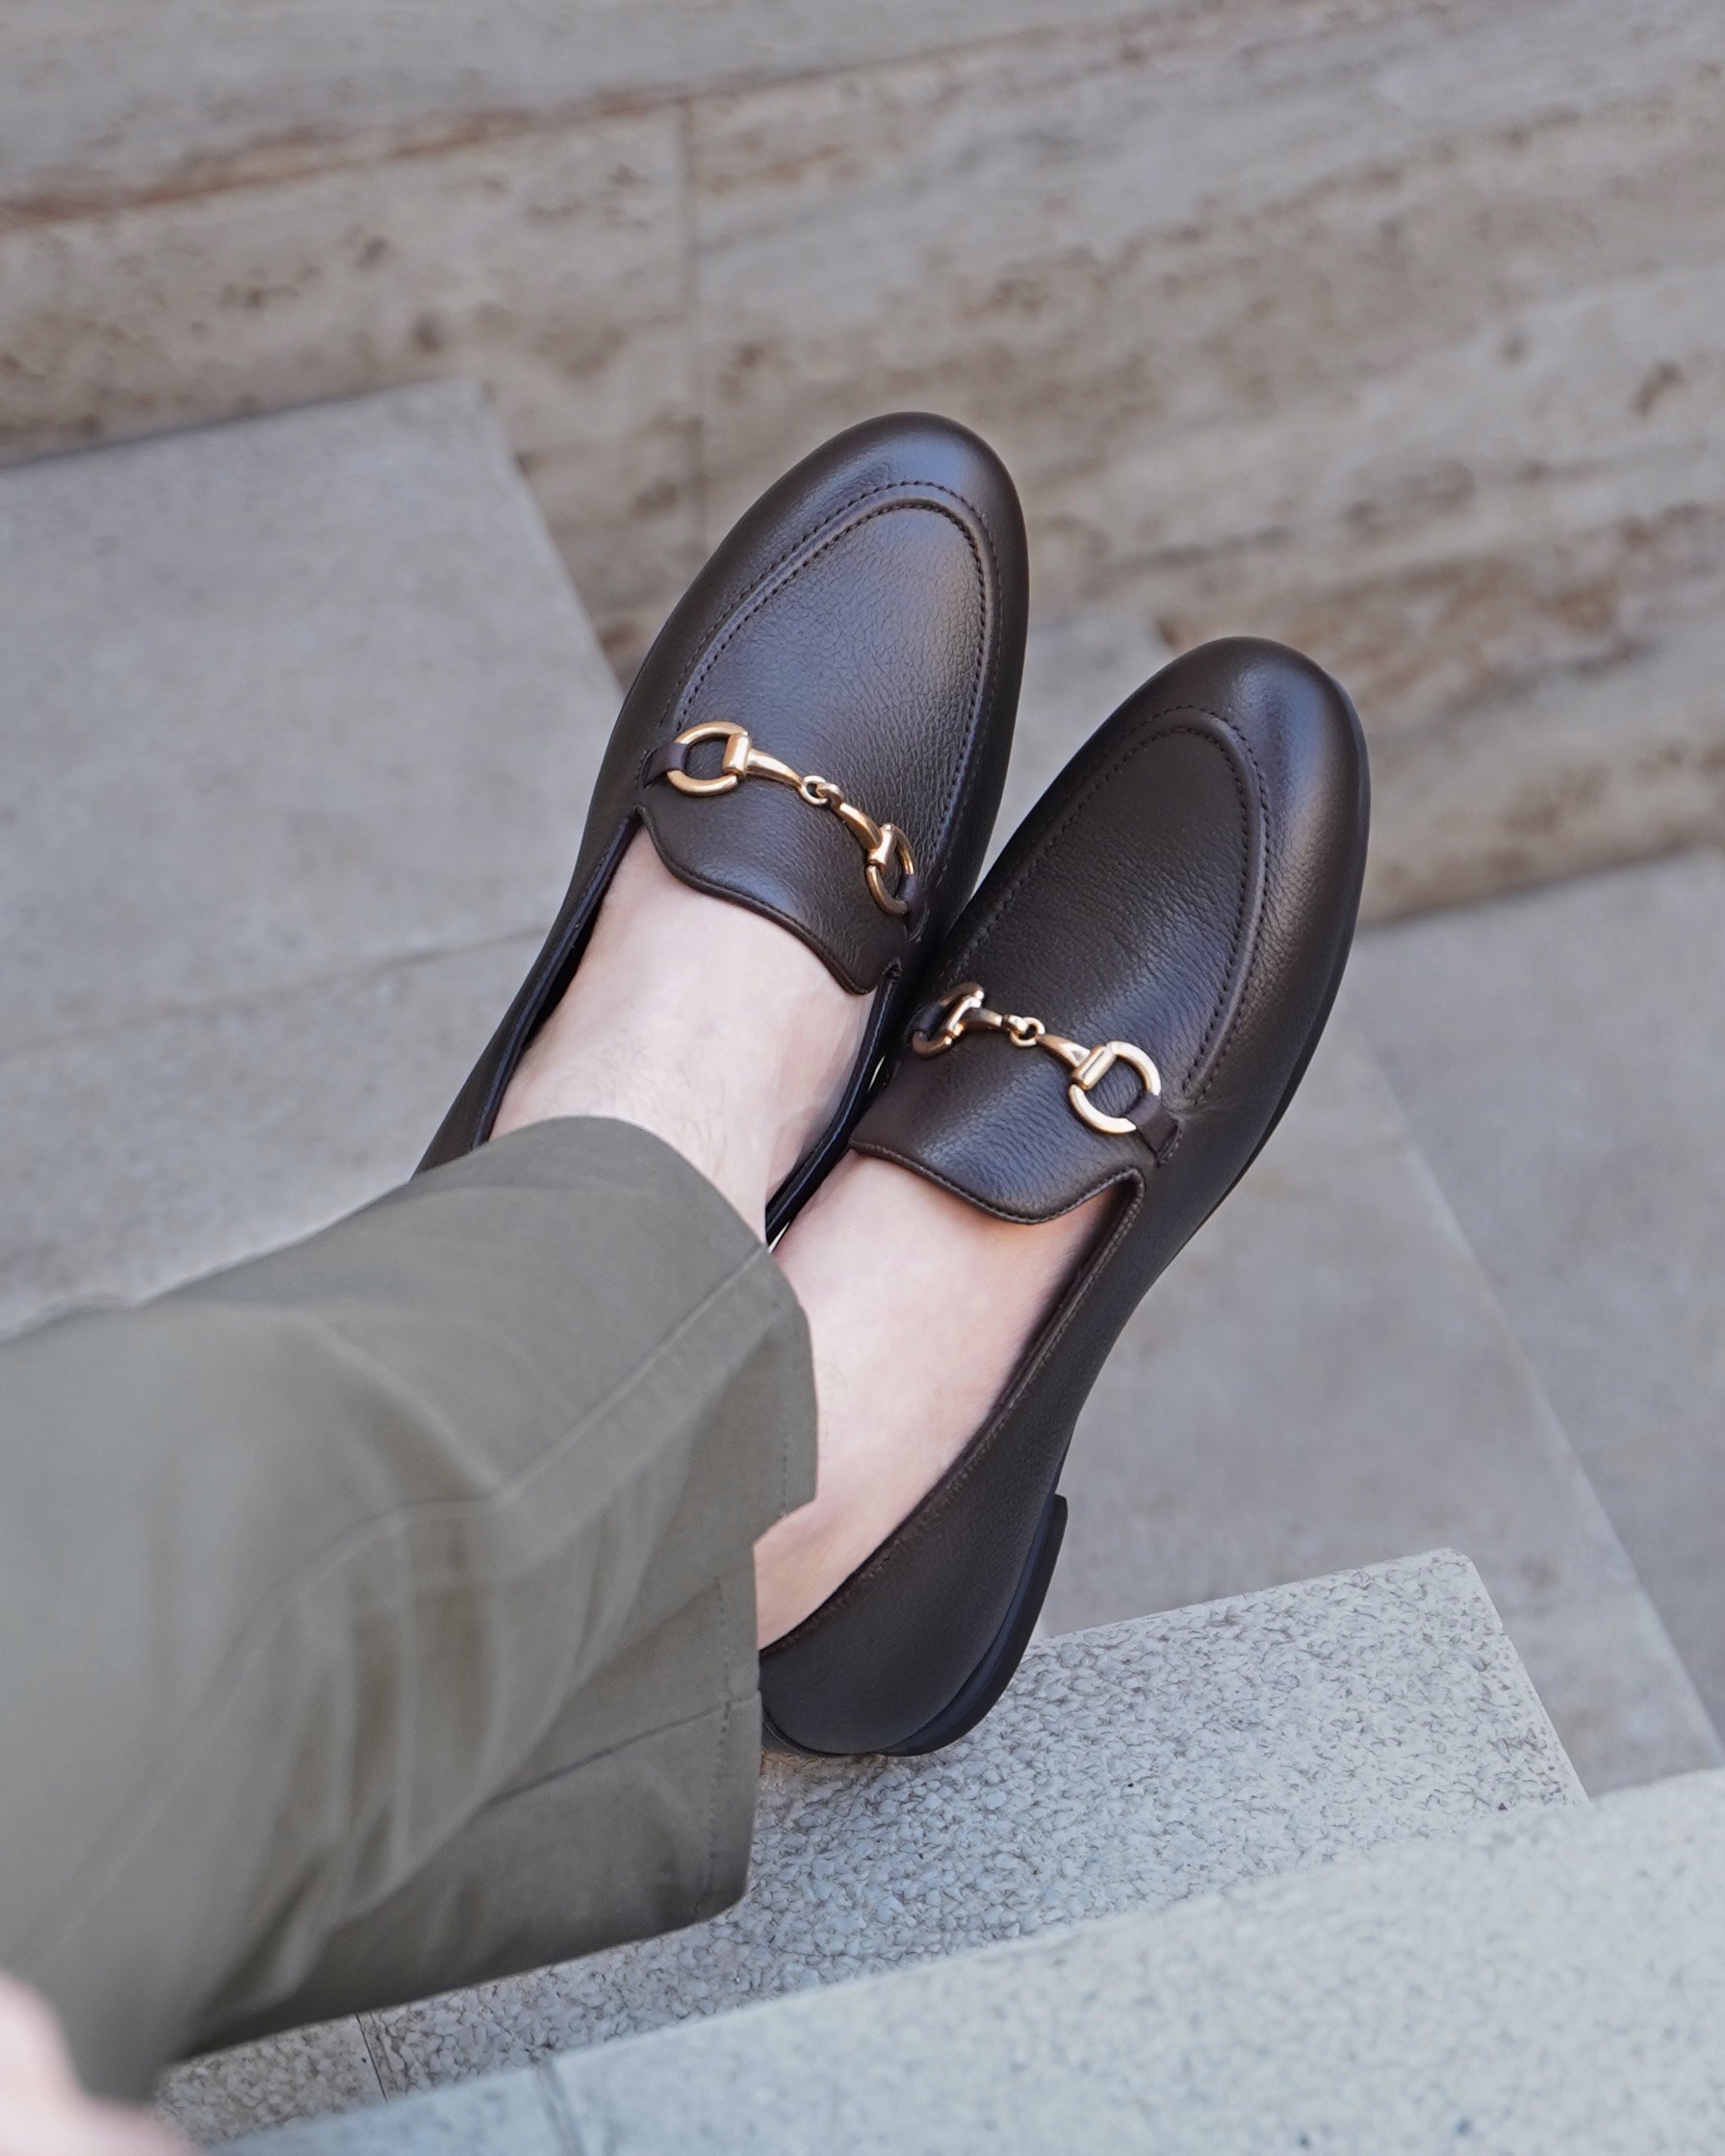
(978, 939)
(115, 1842)
(698, 668)
(740, 592)
(878, 1150)
(978, 666)
(1251, 958)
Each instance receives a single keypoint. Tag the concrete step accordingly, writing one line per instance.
(1553, 1984)
(1128, 1768)
(301, 713)
(1561, 1058)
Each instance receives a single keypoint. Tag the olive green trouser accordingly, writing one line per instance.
(378, 1616)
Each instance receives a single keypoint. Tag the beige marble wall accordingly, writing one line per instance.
(1393, 326)
(155, 94)
(549, 262)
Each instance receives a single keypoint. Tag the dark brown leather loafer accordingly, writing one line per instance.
(820, 733)
(1129, 1002)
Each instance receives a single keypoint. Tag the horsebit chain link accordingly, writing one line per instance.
(964, 1011)
(884, 847)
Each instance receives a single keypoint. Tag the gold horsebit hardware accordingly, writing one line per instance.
(884, 845)
(964, 1011)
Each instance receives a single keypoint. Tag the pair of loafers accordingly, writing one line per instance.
(820, 733)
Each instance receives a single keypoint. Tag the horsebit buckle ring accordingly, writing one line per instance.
(964, 1011)
(884, 847)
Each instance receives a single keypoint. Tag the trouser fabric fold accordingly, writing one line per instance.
(380, 1613)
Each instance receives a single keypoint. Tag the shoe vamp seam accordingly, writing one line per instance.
(1240, 966)
(772, 583)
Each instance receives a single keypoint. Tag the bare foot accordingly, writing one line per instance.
(709, 1025)
(919, 1308)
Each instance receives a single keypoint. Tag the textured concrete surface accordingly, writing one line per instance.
(1546, 1986)
(137, 1157)
(1325, 1379)
(301, 716)
(1391, 328)
(305, 2073)
(1561, 1058)
(1548, 1990)
(1127, 1767)
(309, 692)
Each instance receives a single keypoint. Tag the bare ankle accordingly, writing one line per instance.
(703, 1022)
(910, 1357)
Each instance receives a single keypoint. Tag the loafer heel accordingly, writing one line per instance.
(997, 1668)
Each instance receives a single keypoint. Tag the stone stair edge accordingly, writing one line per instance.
(1265, 1733)
(1137, 1763)
(582, 2101)
(1603, 1872)
(361, 586)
